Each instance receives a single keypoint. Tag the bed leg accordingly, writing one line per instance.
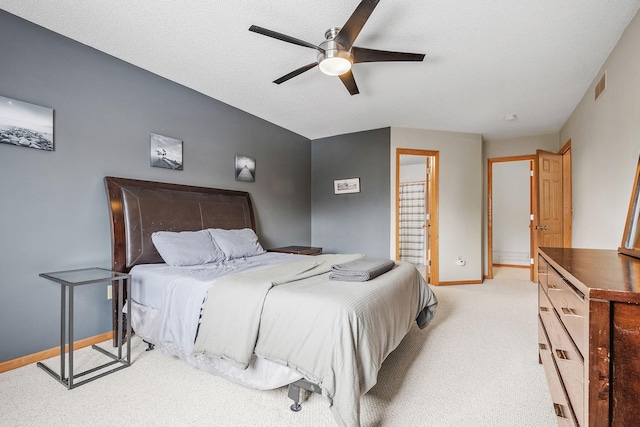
(295, 390)
(150, 346)
(294, 394)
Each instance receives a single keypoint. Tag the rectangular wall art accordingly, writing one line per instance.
(26, 125)
(166, 152)
(345, 186)
(245, 169)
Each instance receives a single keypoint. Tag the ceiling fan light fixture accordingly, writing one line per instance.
(337, 54)
(335, 66)
(333, 59)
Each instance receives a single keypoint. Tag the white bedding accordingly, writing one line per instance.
(178, 292)
(165, 311)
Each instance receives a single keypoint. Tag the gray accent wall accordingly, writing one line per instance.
(357, 222)
(54, 210)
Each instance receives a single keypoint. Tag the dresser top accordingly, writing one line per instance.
(599, 273)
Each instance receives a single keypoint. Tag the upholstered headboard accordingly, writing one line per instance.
(139, 208)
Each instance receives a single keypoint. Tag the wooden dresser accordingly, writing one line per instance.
(589, 335)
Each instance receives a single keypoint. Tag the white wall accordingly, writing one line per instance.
(412, 173)
(605, 144)
(511, 199)
(460, 204)
(522, 146)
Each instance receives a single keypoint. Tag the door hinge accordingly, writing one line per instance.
(531, 261)
(531, 217)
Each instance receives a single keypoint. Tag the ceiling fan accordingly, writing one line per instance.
(337, 54)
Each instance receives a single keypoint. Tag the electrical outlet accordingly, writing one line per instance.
(461, 262)
(109, 291)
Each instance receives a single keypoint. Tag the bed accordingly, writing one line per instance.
(261, 319)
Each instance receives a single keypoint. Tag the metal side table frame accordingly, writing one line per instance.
(70, 279)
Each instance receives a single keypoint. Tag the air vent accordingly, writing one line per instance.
(601, 86)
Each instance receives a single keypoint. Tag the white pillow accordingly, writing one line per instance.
(237, 243)
(186, 247)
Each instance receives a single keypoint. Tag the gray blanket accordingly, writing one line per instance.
(360, 270)
(233, 307)
(335, 334)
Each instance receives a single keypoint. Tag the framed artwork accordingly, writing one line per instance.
(165, 152)
(26, 125)
(345, 186)
(245, 169)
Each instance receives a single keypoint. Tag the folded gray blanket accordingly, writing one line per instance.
(360, 270)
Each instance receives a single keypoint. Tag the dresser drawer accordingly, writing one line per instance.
(543, 266)
(545, 305)
(567, 359)
(570, 306)
(561, 406)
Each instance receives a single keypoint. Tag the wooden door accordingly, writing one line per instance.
(550, 200)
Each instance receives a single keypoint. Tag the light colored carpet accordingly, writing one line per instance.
(475, 365)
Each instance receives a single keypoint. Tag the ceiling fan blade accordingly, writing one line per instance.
(349, 82)
(354, 24)
(283, 37)
(295, 73)
(361, 54)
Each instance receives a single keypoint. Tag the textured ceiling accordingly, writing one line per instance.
(484, 59)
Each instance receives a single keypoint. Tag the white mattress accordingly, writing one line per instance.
(165, 311)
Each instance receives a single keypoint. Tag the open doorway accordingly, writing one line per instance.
(416, 210)
(510, 214)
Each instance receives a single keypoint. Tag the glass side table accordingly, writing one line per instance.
(69, 280)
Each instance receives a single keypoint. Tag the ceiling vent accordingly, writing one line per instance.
(601, 86)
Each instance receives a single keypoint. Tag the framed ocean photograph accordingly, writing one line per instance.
(245, 169)
(26, 125)
(165, 152)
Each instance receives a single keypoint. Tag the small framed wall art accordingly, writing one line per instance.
(345, 186)
(245, 169)
(26, 125)
(165, 152)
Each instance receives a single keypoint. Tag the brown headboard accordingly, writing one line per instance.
(139, 208)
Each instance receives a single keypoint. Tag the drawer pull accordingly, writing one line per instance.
(542, 346)
(559, 410)
(543, 308)
(561, 354)
(569, 312)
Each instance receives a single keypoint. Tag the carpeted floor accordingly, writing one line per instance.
(475, 365)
